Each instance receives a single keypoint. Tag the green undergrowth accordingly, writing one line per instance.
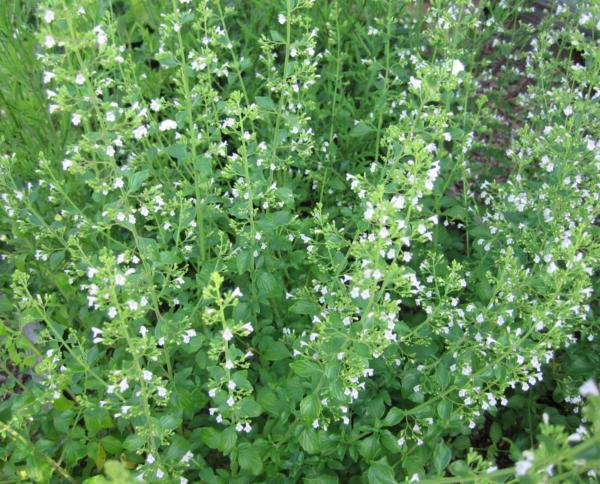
(299, 241)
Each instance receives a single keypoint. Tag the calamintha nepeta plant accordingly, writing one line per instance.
(299, 241)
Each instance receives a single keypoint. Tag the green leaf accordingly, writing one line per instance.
(111, 444)
(369, 447)
(249, 459)
(444, 409)
(304, 306)
(74, 451)
(167, 257)
(495, 432)
(441, 456)
(170, 422)
(381, 472)
(442, 375)
(178, 151)
(393, 417)
(136, 179)
(310, 408)
(211, 437)
(269, 400)
(56, 259)
(390, 442)
(276, 351)
(228, 440)
(361, 130)
(305, 368)
(309, 441)
(242, 260)
(134, 442)
(265, 103)
(276, 36)
(267, 284)
(249, 408)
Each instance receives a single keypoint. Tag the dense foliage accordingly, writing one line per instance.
(299, 241)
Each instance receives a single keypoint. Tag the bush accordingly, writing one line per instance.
(299, 241)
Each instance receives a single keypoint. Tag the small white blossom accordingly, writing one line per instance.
(167, 124)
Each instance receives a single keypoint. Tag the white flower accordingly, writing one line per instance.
(100, 36)
(123, 385)
(120, 280)
(143, 331)
(112, 312)
(48, 76)
(522, 466)
(76, 119)
(155, 105)
(79, 79)
(414, 83)
(96, 332)
(237, 293)
(147, 375)
(568, 111)
(190, 333)
(457, 67)
(281, 18)
(140, 132)
(398, 201)
(167, 124)
(48, 16)
(187, 457)
(227, 334)
(66, 164)
(589, 388)
(110, 116)
(161, 391)
(118, 183)
(49, 42)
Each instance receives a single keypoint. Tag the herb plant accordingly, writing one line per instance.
(299, 241)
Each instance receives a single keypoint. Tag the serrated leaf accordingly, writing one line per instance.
(305, 368)
(306, 307)
(310, 408)
(441, 456)
(276, 351)
(381, 472)
(178, 151)
(393, 417)
(211, 437)
(444, 409)
(170, 422)
(309, 441)
(228, 440)
(136, 179)
(242, 261)
(361, 130)
(249, 408)
(249, 459)
(265, 103)
(267, 284)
